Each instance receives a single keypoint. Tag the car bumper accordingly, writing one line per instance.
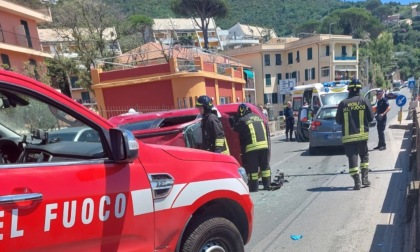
(318, 139)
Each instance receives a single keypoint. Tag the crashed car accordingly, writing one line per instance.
(181, 127)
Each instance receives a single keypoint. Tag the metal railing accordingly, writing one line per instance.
(22, 40)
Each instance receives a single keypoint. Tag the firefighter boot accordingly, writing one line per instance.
(365, 180)
(357, 183)
(266, 181)
(253, 185)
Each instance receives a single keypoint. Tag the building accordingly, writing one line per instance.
(158, 77)
(315, 58)
(392, 20)
(169, 30)
(61, 42)
(19, 39)
(415, 11)
(242, 35)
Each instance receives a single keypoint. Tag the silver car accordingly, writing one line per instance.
(324, 131)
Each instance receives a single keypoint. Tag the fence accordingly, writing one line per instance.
(110, 111)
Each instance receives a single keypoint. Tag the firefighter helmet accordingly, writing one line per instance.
(205, 102)
(243, 109)
(355, 85)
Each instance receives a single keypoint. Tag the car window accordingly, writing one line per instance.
(333, 98)
(192, 135)
(38, 132)
(142, 125)
(327, 114)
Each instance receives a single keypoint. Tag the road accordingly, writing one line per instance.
(318, 203)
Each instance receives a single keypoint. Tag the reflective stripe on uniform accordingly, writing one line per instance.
(355, 138)
(254, 176)
(219, 142)
(266, 173)
(256, 146)
(353, 171)
(361, 120)
(364, 165)
(346, 123)
(252, 132)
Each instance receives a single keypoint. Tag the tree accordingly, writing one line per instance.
(382, 50)
(203, 9)
(85, 26)
(310, 26)
(143, 25)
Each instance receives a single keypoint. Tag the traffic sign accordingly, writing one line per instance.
(411, 83)
(401, 100)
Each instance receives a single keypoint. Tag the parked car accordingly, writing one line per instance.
(391, 95)
(324, 131)
(181, 127)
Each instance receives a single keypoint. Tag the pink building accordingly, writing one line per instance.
(19, 40)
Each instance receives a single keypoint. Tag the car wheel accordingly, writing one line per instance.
(213, 234)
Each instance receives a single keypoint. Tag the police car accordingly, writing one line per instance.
(114, 193)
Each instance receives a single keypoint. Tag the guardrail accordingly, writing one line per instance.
(413, 195)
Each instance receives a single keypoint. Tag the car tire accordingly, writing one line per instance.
(212, 233)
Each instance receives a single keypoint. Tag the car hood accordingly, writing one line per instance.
(188, 154)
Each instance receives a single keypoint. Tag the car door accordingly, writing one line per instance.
(371, 96)
(66, 196)
(305, 116)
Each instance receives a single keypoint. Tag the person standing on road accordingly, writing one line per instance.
(290, 121)
(381, 110)
(212, 130)
(354, 114)
(263, 110)
(254, 146)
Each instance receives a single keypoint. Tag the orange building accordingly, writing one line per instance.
(166, 85)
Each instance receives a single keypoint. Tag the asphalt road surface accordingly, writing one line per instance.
(317, 206)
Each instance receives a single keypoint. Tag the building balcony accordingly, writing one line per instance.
(16, 42)
(325, 59)
(345, 58)
(250, 84)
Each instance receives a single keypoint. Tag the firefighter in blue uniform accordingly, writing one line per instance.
(354, 114)
(254, 146)
(212, 131)
(381, 110)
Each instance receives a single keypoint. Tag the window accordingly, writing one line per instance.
(294, 75)
(310, 74)
(5, 61)
(297, 56)
(266, 59)
(267, 98)
(325, 71)
(274, 98)
(343, 51)
(33, 63)
(278, 78)
(278, 59)
(85, 97)
(290, 58)
(224, 100)
(191, 102)
(40, 121)
(310, 53)
(268, 80)
(287, 76)
(27, 33)
(327, 53)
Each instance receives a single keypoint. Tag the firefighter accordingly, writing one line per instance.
(354, 114)
(254, 146)
(212, 130)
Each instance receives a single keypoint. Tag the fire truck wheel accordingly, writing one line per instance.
(213, 234)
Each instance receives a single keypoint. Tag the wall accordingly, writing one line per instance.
(239, 93)
(187, 87)
(211, 89)
(145, 94)
(134, 72)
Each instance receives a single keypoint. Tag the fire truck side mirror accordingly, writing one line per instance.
(124, 146)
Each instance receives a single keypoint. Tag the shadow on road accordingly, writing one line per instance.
(325, 151)
(330, 189)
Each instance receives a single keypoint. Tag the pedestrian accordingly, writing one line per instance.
(354, 114)
(381, 110)
(254, 146)
(213, 135)
(290, 121)
(263, 110)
